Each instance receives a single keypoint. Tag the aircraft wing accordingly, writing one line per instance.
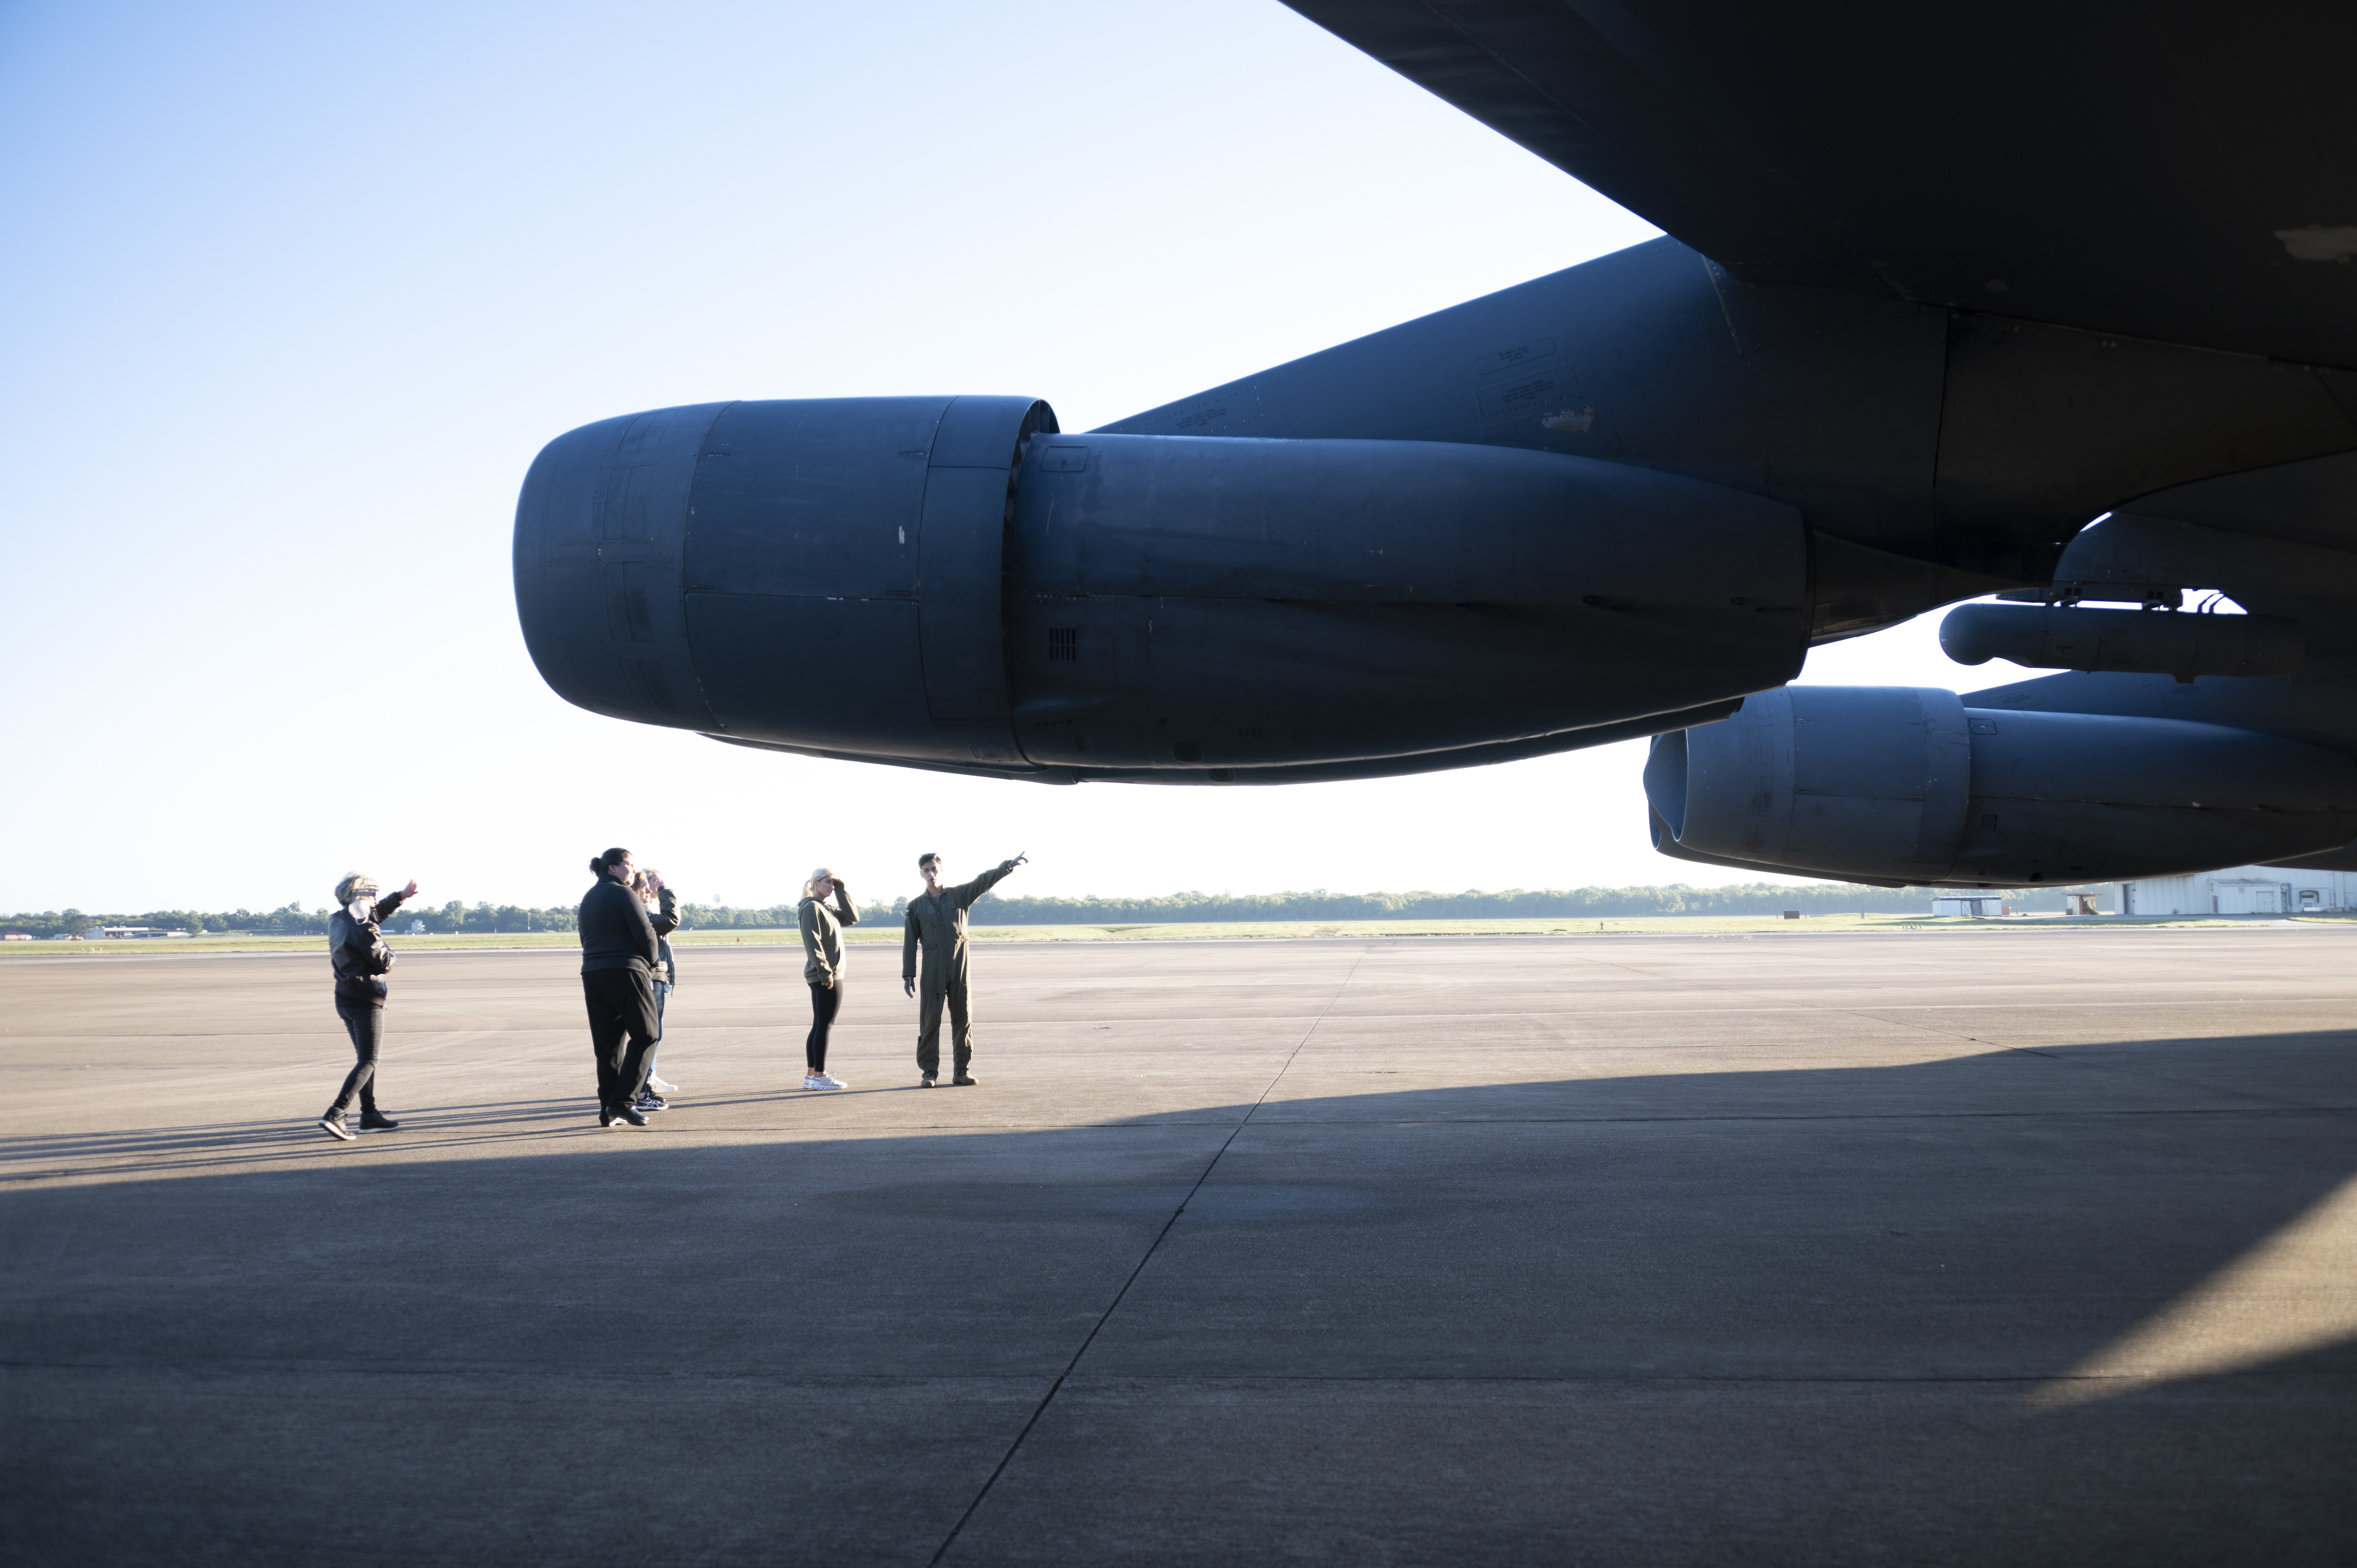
(1940, 287)
(2171, 171)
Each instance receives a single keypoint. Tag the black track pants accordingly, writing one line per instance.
(825, 1000)
(365, 1021)
(621, 1004)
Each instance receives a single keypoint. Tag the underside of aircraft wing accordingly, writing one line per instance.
(1940, 292)
(2175, 172)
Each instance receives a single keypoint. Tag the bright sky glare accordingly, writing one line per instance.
(294, 292)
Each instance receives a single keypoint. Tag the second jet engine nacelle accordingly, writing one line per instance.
(2133, 641)
(1903, 785)
(952, 583)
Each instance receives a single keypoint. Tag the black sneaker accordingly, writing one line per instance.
(649, 1100)
(926, 1081)
(605, 1116)
(333, 1126)
(626, 1113)
(963, 1079)
(377, 1121)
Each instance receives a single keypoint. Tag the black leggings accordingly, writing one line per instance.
(824, 1000)
(365, 1021)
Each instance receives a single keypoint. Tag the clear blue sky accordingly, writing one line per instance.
(293, 293)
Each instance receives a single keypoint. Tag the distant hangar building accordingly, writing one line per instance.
(2242, 890)
(1978, 907)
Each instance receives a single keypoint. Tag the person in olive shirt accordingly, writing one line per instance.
(618, 963)
(937, 925)
(356, 947)
(823, 967)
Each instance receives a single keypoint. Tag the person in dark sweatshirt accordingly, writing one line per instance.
(355, 948)
(617, 963)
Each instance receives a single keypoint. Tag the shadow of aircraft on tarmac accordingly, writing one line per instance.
(1792, 1316)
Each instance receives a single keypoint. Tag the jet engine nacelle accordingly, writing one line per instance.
(951, 583)
(1898, 785)
(2133, 641)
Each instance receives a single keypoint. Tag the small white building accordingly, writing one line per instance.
(1978, 909)
(2241, 890)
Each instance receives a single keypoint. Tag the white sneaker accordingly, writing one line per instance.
(660, 1086)
(823, 1080)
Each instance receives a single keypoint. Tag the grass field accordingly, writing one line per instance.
(1663, 925)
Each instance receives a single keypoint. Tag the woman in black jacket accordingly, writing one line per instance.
(356, 947)
(617, 961)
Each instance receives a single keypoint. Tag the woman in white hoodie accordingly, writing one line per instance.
(823, 966)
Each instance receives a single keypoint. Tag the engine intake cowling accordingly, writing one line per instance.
(951, 582)
(1900, 785)
(825, 572)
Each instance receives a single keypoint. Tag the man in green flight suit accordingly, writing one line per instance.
(937, 924)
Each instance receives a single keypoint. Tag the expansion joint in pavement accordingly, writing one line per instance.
(1114, 1305)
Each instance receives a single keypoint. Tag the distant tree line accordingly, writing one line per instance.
(777, 916)
(453, 918)
(1516, 904)
(457, 918)
(293, 919)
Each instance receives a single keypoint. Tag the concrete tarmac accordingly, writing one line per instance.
(2031, 1247)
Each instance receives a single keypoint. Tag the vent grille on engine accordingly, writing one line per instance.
(1065, 644)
